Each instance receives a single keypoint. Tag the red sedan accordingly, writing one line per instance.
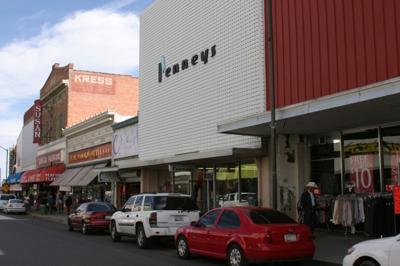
(91, 216)
(246, 234)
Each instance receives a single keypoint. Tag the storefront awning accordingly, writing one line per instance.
(65, 178)
(14, 178)
(78, 177)
(361, 107)
(48, 174)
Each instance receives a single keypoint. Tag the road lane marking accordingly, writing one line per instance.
(1, 252)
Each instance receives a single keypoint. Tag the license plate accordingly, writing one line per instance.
(178, 218)
(107, 217)
(290, 237)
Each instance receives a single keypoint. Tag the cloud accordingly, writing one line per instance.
(99, 40)
(103, 39)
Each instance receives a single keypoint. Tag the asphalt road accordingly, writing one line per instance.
(28, 241)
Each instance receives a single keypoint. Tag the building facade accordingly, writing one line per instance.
(337, 88)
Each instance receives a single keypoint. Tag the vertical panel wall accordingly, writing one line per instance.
(323, 47)
(180, 109)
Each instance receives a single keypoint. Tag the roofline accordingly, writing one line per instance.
(125, 123)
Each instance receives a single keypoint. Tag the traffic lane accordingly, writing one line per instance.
(49, 242)
(27, 241)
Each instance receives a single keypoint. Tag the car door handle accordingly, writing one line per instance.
(128, 216)
(137, 215)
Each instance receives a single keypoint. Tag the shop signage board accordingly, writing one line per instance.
(37, 122)
(396, 199)
(125, 142)
(362, 172)
(93, 83)
(89, 154)
(48, 159)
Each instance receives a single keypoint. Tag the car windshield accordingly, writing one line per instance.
(7, 197)
(269, 217)
(99, 207)
(173, 203)
(16, 201)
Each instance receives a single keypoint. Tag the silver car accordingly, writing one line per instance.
(14, 206)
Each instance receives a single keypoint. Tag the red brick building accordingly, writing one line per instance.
(69, 96)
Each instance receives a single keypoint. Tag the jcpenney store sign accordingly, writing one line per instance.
(165, 71)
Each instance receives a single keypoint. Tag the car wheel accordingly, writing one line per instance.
(70, 227)
(236, 256)
(84, 229)
(368, 262)
(182, 248)
(115, 236)
(141, 239)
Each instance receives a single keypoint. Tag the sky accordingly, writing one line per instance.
(94, 35)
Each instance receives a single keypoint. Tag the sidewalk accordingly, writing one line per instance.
(331, 247)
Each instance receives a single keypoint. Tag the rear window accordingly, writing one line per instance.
(16, 201)
(100, 208)
(173, 203)
(269, 217)
(7, 197)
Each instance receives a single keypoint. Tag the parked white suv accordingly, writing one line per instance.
(153, 215)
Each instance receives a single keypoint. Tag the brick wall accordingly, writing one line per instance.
(91, 92)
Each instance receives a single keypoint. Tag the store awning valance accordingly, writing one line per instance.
(65, 178)
(48, 174)
(14, 178)
(79, 176)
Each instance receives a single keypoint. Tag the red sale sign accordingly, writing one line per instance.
(361, 172)
(396, 199)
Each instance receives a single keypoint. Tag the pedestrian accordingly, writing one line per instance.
(68, 203)
(308, 206)
(50, 202)
(59, 203)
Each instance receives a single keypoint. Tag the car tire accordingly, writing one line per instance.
(115, 236)
(141, 239)
(70, 227)
(368, 262)
(84, 229)
(182, 248)
(236, 256)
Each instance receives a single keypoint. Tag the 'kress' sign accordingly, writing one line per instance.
(168, 71)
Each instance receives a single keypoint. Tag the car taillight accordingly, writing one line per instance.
(268, 238)
(10, 205)
(153, 219)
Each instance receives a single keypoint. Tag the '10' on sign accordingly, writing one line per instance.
(361, 172)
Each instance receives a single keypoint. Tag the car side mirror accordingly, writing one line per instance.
(194, 224)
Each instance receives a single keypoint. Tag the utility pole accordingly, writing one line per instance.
(272, 105)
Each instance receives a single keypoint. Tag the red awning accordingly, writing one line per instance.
(43, 175)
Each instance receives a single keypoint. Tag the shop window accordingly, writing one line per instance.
(249, 183)
(182, 182)
(325, 166)
(227, 178)
(391, 159)
(361, 156)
